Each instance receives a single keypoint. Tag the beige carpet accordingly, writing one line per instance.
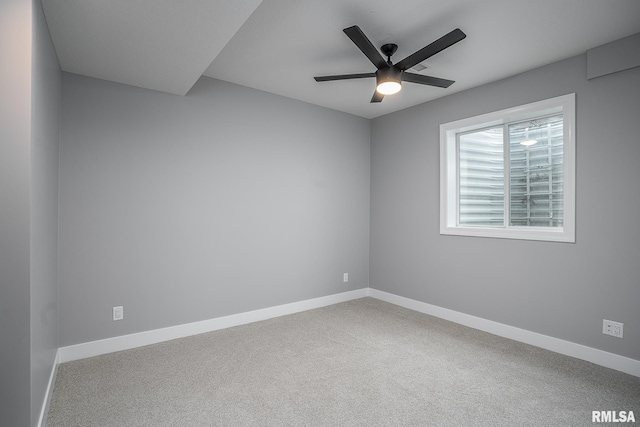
(359, 363)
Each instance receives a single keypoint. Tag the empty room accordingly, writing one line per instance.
(319, 213)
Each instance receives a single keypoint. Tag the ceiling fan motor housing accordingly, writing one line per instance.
(389, 74)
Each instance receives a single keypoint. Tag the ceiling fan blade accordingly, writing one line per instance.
(364, 44)
(428, 51)
(377, 97)
(426, 80)
(344, 77)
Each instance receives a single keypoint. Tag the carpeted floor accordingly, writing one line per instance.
(359, 363)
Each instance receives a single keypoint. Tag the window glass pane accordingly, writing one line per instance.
(536, 172)
(493, 185)
(481, 178)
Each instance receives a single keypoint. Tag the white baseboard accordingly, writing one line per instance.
(47, 395)
(125, 342)
(599, 357)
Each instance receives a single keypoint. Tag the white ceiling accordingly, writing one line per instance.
(278, 46)
(163, 45)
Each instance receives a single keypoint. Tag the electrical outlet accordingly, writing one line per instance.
(609, 327)
(345, 277)
(118, 313)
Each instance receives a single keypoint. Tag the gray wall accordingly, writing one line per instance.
(45, 136)
(582, 283)
(15, 105)
(189, 208)
(30, 83)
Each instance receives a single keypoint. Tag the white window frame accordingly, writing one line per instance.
(449, 174)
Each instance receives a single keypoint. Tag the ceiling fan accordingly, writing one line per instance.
(389, 76)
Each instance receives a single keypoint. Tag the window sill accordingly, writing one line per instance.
(517, 233)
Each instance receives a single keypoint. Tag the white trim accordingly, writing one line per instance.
(49, 392)
(125, 342)
(448, 171)
(599, 357)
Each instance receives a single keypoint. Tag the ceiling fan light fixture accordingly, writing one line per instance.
(389, 87)
(388, 81)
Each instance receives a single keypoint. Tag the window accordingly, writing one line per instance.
(511, 173)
